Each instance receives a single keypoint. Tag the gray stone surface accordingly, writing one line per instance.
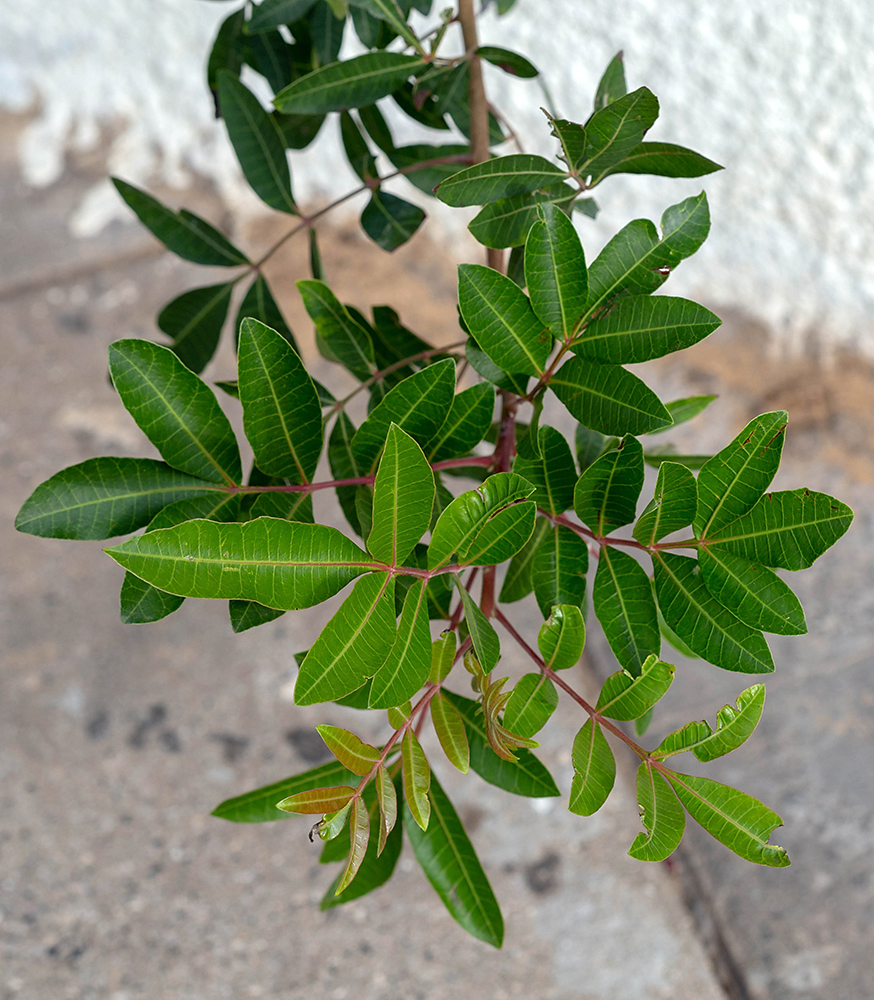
(117, 741)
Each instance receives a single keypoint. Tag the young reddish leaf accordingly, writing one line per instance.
(359, 829)
(388, 806)
(359, 757)
(317, 800)
(417, 779)
(449, 727)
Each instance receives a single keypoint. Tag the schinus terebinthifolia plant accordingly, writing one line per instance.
(423, 612)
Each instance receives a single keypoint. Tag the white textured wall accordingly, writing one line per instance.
(780, 93)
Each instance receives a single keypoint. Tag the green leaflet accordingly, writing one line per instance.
(672, 507)
(282, 415)
(449, 727)
(709, 629)
(558, 569)
(328, 24)
(390, 221)
(348, 84)
(509, 62)
(605, 495)
(352, 646)
(638, 262)
(387, 798)
(519, 581)
(608, 398)
(442, 657)
(461, 522)
(503, 535)
(227, 49)
(594, 770)
(317, 800)
(499, 315)
(176, 411)
(298, 131)
(259, 805)
(418, 405)
(393, 342)
(625, 696)
(348, 341)
(194, 321)
(555, 271)
(281, 564)
(527, 776)
(417, 779)
(685, 409)
(467, 423)
(614, 131)
(553, 473)
(661, 814)
(249, 614)
(186, 235)
(754, 593)
(733, 480)
(735, 819)
(344, 466)
(501, 177)
(664, 159)
(450, 864)
(270, 55)
(611, 86)
(391, 12)
(642, 327)
(624, 605)
(105, 497)
(789, 529)
(409, 660)
(562, 638)
(259, 304)
(359, 836)
(271, 13)
(483, 365)
(258, 143)
(532, 702)
(735, 725)
(485, 640)
(506, 223)
(403, 496)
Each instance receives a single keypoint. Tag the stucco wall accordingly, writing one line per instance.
(778, 92)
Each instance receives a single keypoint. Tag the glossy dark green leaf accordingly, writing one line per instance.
(185, 234)
(531, 705)
(259, 805)
(271, 56)
(672, 507)
(347, 340)
(500, 317)
(559, 569)
(105, 497)
(663, 159)
(735, 725)
(281, 564)
(348, 84)
(259, 304)
(227, 49)
(555, 271)
(731, 483)
(789, 529)
(194, 321)
(469, 419)
(636, 261)
(737, 820)
(506, 223)
(754, 593)
(661, 814)
(615, 131)
(709, 629)
(282, 415)
(519, 581)
(176, 411)
(485, 640)
(626, 696)
(562, 637)
(297, 132)
(509, 62)
(450, 864)
(605, 495)
(352, 646)
(271, 13)
(624, 605)
(419, 406)
(611, 86)
(526, 776)
(554, 474)
(502, 177)
(594, 770)
(390, 221)
(327, 28)
(608, 398)
(643, 327)
(408, 664)
(258, 144)
(483, 365)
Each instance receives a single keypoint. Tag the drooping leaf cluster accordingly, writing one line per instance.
(409, 629)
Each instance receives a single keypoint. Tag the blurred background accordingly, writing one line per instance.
(117, 741)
